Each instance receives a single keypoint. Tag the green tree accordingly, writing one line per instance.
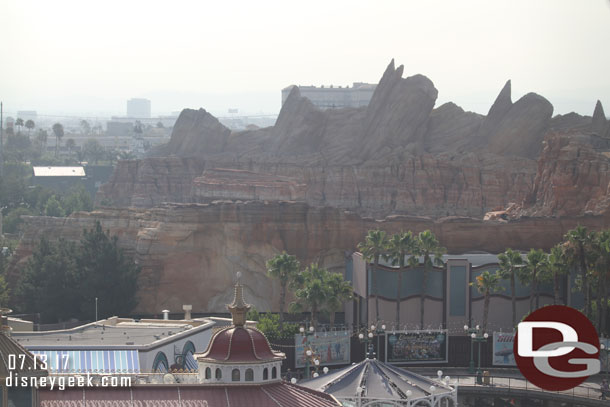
(284, 268)
(11, 222)
(535, 265)
(428, 247)
(399, 246)
(53, 208)
(18, 148)
(339, 291)
(77, 200)
(374, 246)
(556, 268)
(30, 125)
(58, 131)
(94, 150)
(510, 262)
(4, 290)
(105, 273)
(579, 242)
(70, 144)
(487, 284)
(137, 128)
(85, 127)
(312, 292)
(42, 140)
(50, 282)
(601, 267)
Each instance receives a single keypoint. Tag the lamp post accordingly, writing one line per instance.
(309, 355)
(367, 336)
(379, 330)
(476, 335)
(605, 349)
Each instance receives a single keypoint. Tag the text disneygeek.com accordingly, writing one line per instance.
(63, 382)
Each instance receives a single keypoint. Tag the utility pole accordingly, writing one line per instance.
(1, 140)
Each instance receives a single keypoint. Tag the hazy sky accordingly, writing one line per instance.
(89, 57)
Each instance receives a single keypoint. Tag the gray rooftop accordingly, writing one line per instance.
(123, 335)
(377, 380)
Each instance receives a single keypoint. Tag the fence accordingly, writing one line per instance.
(590, 390)
(458, 352)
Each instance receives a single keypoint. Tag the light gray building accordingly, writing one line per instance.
(122, 345)
(359, 94)
(138, 108)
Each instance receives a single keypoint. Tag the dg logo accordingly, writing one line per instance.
(557, 348)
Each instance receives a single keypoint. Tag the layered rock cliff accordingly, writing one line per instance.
(189, 253)
(398, 155)
(573, 178)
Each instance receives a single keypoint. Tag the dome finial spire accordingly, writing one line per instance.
(238, 308)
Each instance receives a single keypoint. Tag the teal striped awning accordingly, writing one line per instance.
(90, 361)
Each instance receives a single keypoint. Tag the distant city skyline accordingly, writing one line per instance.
(68, 58)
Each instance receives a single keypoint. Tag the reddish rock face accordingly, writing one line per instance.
(398, 155)
(573, 178)
(220, 183)
(189, 254)
(430, 185)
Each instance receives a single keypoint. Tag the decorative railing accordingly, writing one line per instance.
(585, 390)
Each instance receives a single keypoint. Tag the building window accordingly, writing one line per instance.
(265, 374)
(274, 373)
(208, 373)
(235, 375)
(160, 364)
(249, 375)
(218, 373)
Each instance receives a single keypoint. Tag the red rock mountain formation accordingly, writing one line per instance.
(396, 159)
(398, 155)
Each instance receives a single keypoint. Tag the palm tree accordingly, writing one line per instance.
(312, 293)
(375, 245)
(535, 263)
(19, 123)
(30, 125)
(58, 130)
(399, 246)
(42, 139)
(85, 127)
(284, 268)
(601, 260)
(70, 143)
(94, 150)
(339, 291)
(428, 247)
(487, 284)
(510, 262)
(557, 267)
(580, 241)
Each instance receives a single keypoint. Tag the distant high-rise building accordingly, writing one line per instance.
(138, 108)
(335, 97)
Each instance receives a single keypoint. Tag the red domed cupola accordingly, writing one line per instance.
(239, 348)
